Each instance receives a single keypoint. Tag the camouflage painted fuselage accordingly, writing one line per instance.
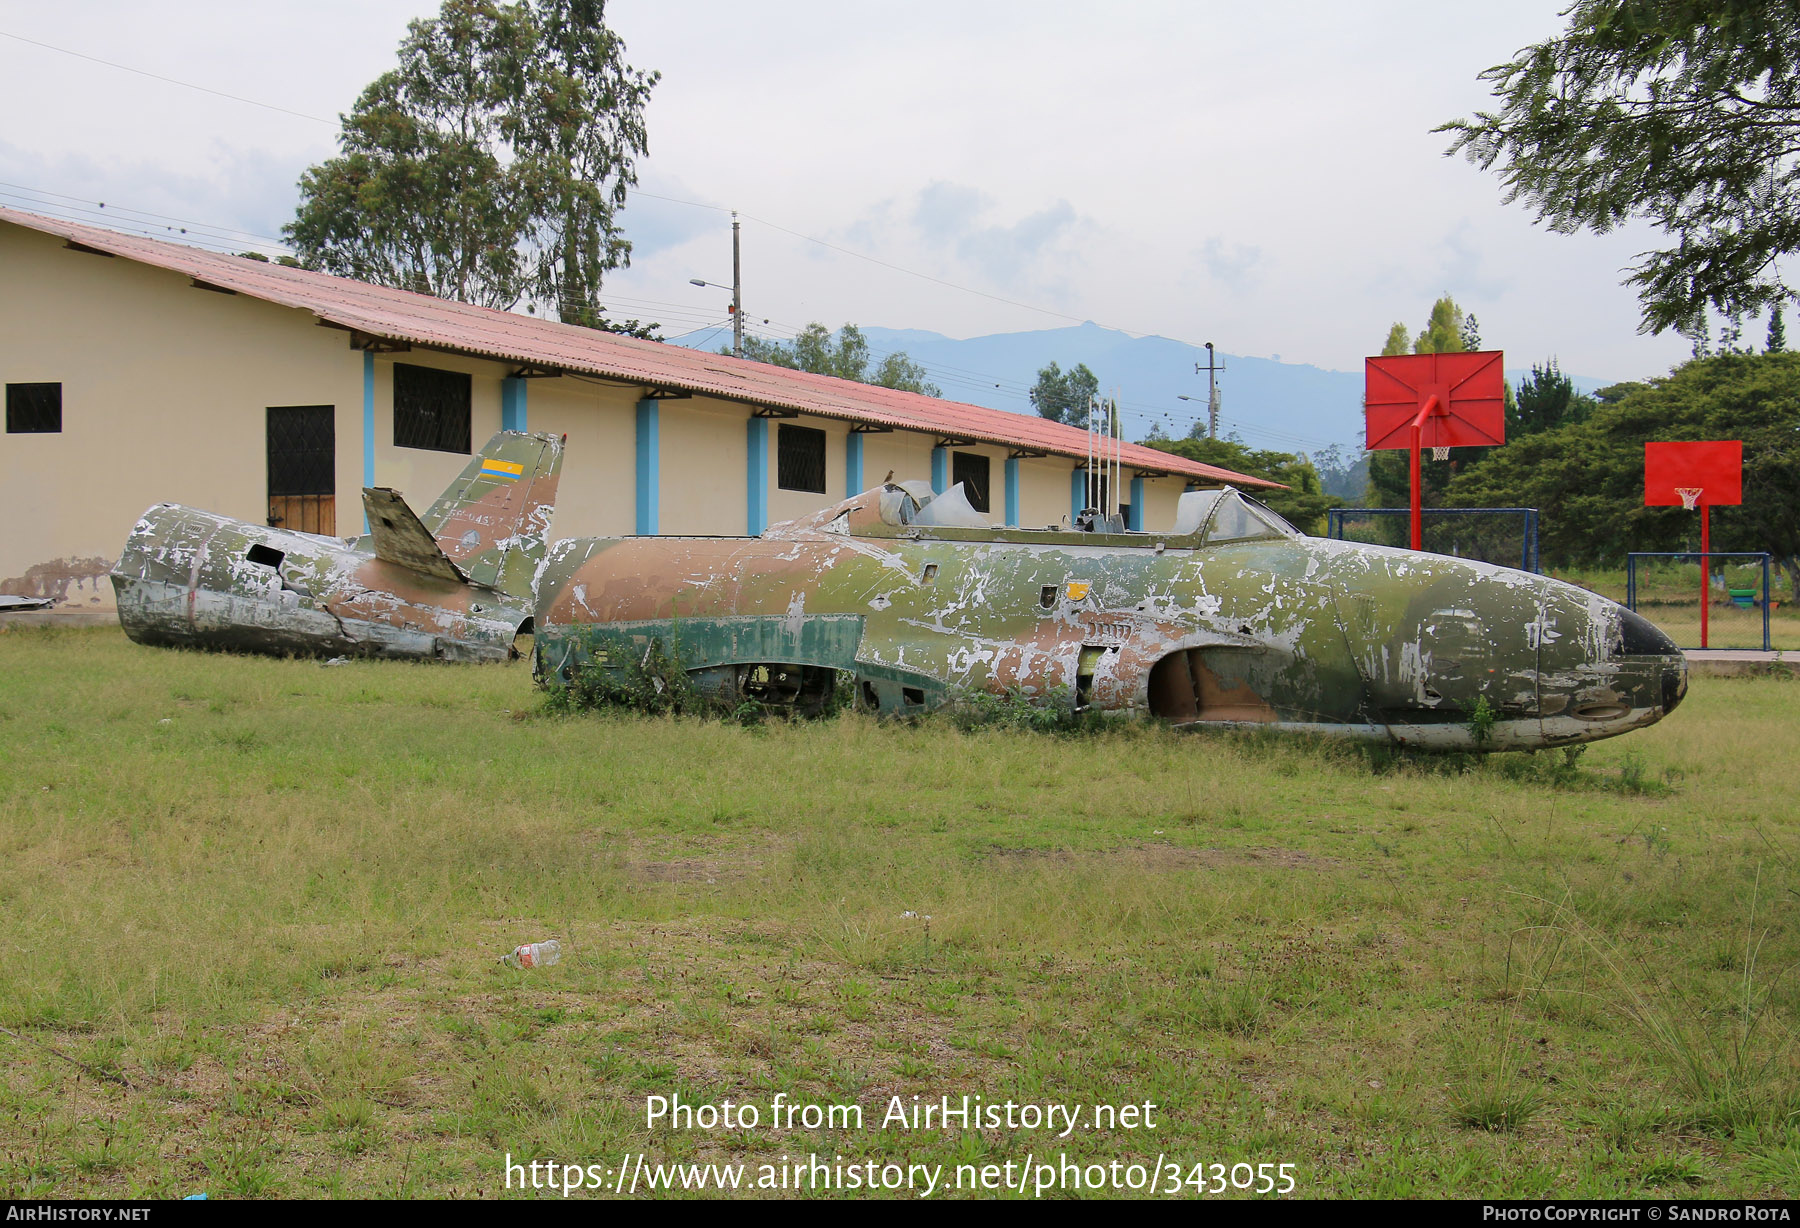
(196, 579)
(1294, 632)
(455, 586)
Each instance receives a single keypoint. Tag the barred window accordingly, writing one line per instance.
(34, 409)
(431, 408)
(800, 458)
(971, 469)
(302, 450)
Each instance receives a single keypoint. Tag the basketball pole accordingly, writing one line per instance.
(1432, 405)
(1706, 565)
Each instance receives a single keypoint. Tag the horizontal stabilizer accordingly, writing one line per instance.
(401, 538)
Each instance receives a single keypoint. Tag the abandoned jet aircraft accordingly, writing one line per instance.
(455, 586)
(1231, 618)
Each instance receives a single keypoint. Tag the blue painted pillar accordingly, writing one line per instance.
(1012, 492)
(1137, 503)
(1077, 494)
(512, 404)
(940, 470)
(853, 477)
(649, 468)
(756, 475)
(368, 425)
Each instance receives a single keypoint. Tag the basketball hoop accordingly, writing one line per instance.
(1700, 474)
(1440, 452)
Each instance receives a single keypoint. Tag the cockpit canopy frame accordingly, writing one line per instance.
(1217, 516)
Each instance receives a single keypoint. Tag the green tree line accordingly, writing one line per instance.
(1585, 474)
(1579, 458)
(1304, 502)
(846, 355)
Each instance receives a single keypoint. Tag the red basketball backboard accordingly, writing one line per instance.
(1713, 467)
(1471, 399)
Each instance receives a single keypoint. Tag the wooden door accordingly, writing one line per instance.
(303, 468)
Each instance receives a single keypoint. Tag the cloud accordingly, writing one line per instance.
(872, 227)
(654, 224)
(946, 212)
(1462, 266)
(1229, 265)
(950, 216)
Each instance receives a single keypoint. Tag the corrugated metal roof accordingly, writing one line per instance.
(420, 319)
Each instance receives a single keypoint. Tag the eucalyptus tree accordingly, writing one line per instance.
(490, 164)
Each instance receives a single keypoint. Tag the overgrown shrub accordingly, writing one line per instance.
(1051, 712)
(654, 683)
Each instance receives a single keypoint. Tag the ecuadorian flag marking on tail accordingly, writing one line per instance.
(506, 471)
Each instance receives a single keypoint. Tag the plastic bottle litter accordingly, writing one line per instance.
(533, 955)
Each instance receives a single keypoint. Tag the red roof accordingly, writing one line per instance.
(403, 315)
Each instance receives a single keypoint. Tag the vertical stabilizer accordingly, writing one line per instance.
(493, 520)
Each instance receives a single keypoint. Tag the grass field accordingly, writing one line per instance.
(260, 903)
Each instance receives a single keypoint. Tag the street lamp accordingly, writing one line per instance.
(1212, 368)
(737, 291)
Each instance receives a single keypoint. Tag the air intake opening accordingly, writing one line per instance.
(1191, 686)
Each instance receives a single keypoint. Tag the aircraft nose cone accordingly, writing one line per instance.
(1603, 670)
(1642, 638)
(1674, 685)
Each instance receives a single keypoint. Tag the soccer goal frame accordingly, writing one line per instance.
(1528, 555)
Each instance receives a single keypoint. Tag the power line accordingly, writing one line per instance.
(1146, 415)
(218, 237)
(939, 372)
(68, 213)
(111, 214)
(699, 321)
(1062, 315)
(94, 59)
(249, 234)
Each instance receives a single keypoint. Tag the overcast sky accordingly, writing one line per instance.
(1263, 176)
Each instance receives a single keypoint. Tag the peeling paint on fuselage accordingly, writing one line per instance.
(186, 578)
(1331, 637)
(195, 578)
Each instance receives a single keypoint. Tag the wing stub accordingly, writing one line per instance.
(402, 539)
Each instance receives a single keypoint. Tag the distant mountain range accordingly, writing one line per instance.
(1289, 407)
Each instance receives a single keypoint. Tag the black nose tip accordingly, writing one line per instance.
(1674, 688)
(1643, 638)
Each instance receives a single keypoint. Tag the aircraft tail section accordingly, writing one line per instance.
(493, 520)
(400, 538)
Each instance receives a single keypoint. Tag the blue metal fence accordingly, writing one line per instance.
(1528, 551)
(1694, 556)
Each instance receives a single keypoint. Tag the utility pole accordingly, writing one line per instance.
(1212, 391)
(737, 292)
